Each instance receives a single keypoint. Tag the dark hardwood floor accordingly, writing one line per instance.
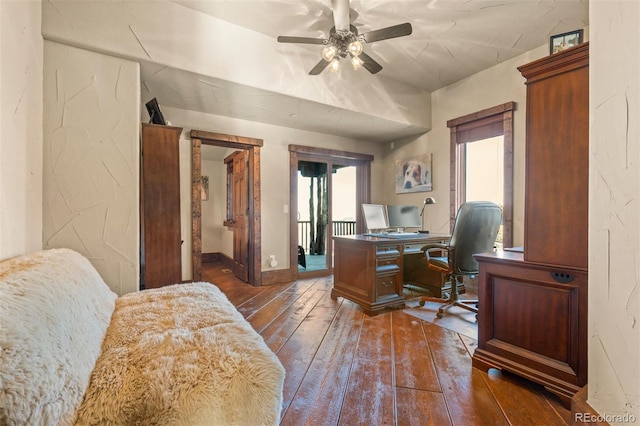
(344, 367)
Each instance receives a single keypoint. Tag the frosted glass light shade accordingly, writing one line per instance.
(334, 66)
(355, 48)
(356, 62)
(329, 52)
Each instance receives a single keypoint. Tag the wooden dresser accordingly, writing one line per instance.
(533, 303)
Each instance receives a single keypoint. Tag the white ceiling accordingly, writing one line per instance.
(451, 40)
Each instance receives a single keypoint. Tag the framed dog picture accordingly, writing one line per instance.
(414, 175)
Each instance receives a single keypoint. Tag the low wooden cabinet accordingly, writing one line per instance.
(370, 270)
(533, 321)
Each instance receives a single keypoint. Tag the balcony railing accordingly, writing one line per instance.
(341, 227)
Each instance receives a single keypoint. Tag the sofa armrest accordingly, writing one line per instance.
(54, 312)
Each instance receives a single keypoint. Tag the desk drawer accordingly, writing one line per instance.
(386, 263)
(386, 285)
(387, 252)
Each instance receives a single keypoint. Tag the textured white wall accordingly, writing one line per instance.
(91, 160)
(21, 47)
(614, 210)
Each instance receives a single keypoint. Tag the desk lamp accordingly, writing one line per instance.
(428, 200)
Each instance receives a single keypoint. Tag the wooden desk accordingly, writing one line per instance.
(370, 270)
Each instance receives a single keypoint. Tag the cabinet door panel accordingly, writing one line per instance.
(557, 166)
(160, 207)
(547, 323)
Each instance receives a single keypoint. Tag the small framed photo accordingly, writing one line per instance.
(560, 42)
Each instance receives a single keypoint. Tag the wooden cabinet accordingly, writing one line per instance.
(160, 242)
(370, 270)
(532, 317)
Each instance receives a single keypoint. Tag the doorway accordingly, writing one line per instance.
(327, 189)
(482, 153)
(326, 207)
(249, 244)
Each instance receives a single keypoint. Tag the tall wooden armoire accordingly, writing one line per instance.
(532, 317)
(160, 242)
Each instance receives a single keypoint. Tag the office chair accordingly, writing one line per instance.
(475, 231)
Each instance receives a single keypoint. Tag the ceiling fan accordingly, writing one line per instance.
(345, 42)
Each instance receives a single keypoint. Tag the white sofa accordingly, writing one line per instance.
(72, 352)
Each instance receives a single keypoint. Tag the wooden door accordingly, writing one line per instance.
(161, 262)
(240, 215)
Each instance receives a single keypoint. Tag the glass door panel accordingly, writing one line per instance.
(313, 215)
(343, 196)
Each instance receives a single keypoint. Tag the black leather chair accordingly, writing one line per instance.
(475, 231)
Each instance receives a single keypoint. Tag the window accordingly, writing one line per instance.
(491, 132)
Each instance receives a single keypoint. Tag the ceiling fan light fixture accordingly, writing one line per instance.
(345, 41)
(355, 48)
(356, 62)
(329, 52)
(334, 66)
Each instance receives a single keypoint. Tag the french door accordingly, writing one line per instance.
(327, 190)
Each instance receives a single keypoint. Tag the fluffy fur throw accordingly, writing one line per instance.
(180, 355)
(183, 355)
(54, 312)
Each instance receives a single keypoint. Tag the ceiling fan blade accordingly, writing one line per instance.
(369, 63)
(341, 15)
(320, 66)
(389, 32)
(303, 40)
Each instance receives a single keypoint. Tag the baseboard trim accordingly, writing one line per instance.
(279, 276)
(582, 413)
(222, 258)
(210, 257)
